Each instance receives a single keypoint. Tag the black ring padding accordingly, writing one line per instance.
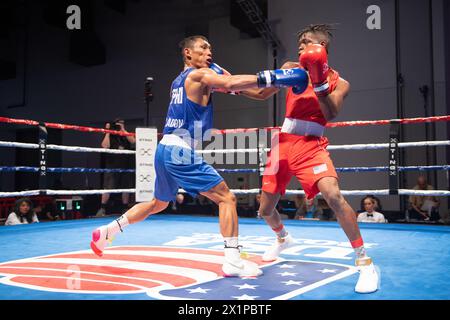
(393, 192)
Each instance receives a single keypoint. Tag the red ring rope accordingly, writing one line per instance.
(225, 131)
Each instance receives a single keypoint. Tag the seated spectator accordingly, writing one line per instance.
(23, 213)
(178, 205)
(423, 207)
(49, 212)
(306, 208)
(368, 204)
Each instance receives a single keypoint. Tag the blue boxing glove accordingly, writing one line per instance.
(280, 78)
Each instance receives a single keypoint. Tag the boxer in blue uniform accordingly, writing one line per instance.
(177, 164)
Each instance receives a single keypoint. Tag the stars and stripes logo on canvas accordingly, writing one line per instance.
(165, 273)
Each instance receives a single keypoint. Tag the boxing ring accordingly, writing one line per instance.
(179, 257)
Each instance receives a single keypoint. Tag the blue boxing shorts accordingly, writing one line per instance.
(178, 166)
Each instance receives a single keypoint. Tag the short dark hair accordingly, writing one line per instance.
(189, 42)
(323, 28)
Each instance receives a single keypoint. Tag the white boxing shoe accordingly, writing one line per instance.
(274, 251)
(368, 276)
(235, 266)
(99, 240)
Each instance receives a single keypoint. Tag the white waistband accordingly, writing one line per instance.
(174, 140)
(302, 127)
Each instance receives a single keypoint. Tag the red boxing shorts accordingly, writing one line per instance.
(305, 157)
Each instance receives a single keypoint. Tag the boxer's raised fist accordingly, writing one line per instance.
(315, 59)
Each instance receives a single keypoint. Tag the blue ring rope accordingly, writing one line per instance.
(93, 170)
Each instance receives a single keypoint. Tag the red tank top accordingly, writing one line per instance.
(306, 106)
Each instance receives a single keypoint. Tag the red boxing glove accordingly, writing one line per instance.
(315, 60)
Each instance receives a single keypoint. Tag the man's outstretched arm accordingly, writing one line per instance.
(264, 79)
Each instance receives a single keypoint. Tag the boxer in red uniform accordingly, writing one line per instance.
(301, 150)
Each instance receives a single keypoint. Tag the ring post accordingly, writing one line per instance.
(393, 162)
(43, 136)
(146, 141)
(148, 96)
(393, 156)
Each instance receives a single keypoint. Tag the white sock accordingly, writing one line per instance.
(117, 225)
(230, 242)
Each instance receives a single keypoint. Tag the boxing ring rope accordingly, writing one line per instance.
(375, 146)
(341, 169)
(350, 124)
(63, 148)
(226, 131)
(381, 192)
(66, 170)
(63, 126)
(360, 146)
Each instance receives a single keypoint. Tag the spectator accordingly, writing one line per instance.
(178, 205)
(306, 208)
(423, 207)
(49, 212)
(370, 215)
(115, 161)
(23, 213)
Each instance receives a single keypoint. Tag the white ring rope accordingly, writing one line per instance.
(85, 149)
(63, 148)
(372, 146)
(19, 145)
(86, 192)
(376, 146)
(20, 194)
(227, 151)
(382, 192)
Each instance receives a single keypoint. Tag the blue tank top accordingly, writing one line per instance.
(184, 117)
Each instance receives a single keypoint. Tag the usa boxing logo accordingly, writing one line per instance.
(165, 273)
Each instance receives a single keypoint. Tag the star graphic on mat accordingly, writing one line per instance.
(246, 286)
(287, 274)
(291, 282)
(327, 271)
(198, 290)
(246, 297)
